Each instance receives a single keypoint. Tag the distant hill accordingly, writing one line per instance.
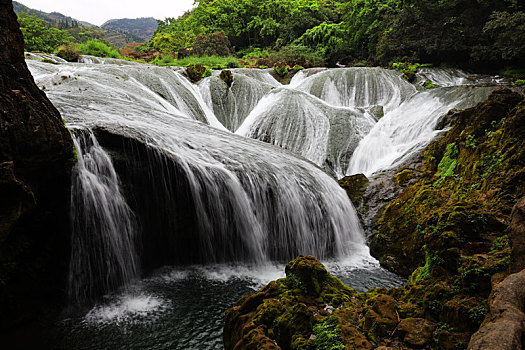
(142, 28)
(53, 18)
(118, 32)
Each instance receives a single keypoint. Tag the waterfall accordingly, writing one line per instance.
(304, 124)
(103, 226)
(407, 129)
(200, 194)
(202, 187)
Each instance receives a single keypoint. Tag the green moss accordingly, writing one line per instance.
(448, 163)
(428, 84)
(470, 142)
(500, 243)
(423, 273)
(281, 70)
(490, 163)
(297, 68)
(477, 314)
(520, 82)
(327, 336)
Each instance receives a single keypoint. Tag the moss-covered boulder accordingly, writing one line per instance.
(290, 311)
(196, 72)
(226, 76)
(355, 186)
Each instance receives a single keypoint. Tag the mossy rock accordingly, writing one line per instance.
(355, 186)
(416, 331)
(227, 77)
(196, 72)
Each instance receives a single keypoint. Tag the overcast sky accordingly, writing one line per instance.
(99, 11)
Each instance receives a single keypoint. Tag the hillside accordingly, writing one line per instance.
(142, 28)
(117, 33)
(53, 18)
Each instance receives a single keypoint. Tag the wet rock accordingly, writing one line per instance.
(355, 186)
(505, 324)
(285, 311)
(416, 331)
(517, 237)
(377, 111)
(381, 319)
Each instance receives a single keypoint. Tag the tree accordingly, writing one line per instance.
(39, 36)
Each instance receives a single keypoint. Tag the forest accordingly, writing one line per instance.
(485, 35)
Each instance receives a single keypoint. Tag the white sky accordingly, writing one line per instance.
(99, 11)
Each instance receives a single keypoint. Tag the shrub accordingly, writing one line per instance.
(69, 52)
(298, 54)
(212, 44)
(195, 72)
(98, 48)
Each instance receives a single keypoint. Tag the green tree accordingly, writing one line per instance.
(39, 36)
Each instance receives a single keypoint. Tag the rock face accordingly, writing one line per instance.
(517, 237)
(505, 328)
(36, 154)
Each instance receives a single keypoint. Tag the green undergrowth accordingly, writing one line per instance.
(213, 62)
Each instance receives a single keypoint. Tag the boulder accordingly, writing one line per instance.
(416, 331)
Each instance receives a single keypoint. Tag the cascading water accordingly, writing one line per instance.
(410, 127)
(201, 194)
(103, 226)
(250, 201)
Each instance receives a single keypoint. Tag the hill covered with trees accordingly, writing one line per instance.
(481, 33)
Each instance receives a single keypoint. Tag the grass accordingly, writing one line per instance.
(98, 49)
(214, 62)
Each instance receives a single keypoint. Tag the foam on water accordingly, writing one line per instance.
(128, 308)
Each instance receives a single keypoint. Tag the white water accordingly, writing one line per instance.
(410, 127)
(241, 199)
(103, 226)
(249, 201)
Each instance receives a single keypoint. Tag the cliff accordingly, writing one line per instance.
(36, 154)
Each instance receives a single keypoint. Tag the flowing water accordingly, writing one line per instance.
(169, 174)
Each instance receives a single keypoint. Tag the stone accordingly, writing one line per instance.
(505, 328)
(377, 112)
(517, 237)
(416, 331)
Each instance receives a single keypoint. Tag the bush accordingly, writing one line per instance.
(298, 55)
(69, 52)
(98, 48)
(212, 44)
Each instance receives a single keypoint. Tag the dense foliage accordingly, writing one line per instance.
(484, 32)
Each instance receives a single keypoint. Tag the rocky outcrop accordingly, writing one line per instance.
(517, 237)
(505, 327)
(36, 154)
